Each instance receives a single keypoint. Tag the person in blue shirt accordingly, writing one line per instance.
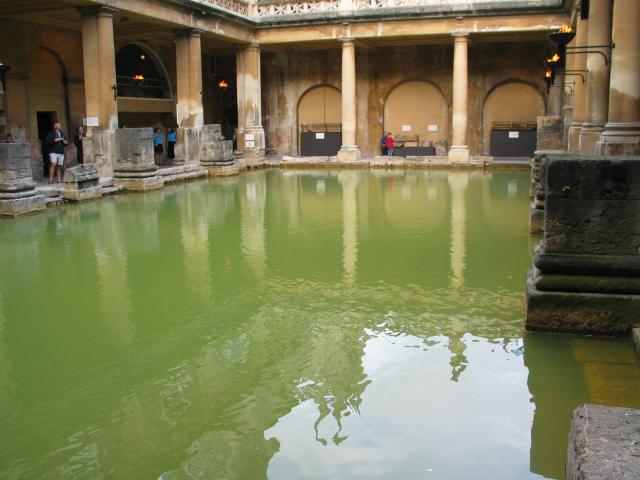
(172, 138)
(158, 145)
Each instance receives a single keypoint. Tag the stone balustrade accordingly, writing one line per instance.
(284, 9)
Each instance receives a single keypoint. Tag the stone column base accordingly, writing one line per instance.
(349, 154)
(584, 313)
(573, 140)
(459, 154)
(619, 139)
(589, 136)
(13, 207)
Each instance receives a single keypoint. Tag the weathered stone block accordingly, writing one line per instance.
(549, 133)
(592, 206)
(82, 182)
(15, 167)
(578, 312)
(17, 188)
(604, 444)
(536, 219)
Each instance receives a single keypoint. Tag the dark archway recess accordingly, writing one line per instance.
(140, 73)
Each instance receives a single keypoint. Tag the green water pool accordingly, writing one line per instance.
(289, 324)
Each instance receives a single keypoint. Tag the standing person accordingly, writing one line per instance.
(383, 143)
(77, 140)
(391, 143)
(56, 140)
(158, 145)
(172, 138)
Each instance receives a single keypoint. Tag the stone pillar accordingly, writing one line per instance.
(250, 132)
(459, 151)
(622, 131)
(17, 188)
(579, 63)
(99, 60)
(189, 110)
(349, 151)
(596, 106)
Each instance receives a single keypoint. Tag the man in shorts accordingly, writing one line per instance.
(56, 140)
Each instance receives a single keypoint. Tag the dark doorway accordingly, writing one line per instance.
(513, 143)
(45, 124)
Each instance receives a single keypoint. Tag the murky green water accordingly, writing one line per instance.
(289, 325)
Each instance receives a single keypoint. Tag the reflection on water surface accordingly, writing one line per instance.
(289, 325)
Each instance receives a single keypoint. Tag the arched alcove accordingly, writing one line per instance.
(511, 106)
(417, 108)
(47, 89)
(319, 121)
(140, 73)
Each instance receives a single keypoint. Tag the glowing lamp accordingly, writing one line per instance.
(223, 84)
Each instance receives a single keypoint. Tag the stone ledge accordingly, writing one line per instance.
(604, 444)
(584, 313)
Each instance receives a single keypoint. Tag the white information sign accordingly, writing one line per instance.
(406, 128)
(249, 144)
(514, 134)
(92, 122)
(432, 128)
(249, 136)
(319, 136)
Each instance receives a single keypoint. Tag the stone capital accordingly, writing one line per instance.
(187, 32)
(460, 36)
(97, 11)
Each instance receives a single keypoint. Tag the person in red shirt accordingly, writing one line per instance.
(390, 141)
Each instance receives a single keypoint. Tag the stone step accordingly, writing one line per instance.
(106, 182)
(53, 201)
(182, 177)
(112, 190)
(51, 191)
(174, 170)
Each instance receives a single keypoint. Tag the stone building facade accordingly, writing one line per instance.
(450, 74)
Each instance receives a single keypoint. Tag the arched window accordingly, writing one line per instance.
(140, 73)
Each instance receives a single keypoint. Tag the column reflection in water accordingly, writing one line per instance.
(458, 181)
(349, 181)
(194, 232)
(111, 266)
(253, 198)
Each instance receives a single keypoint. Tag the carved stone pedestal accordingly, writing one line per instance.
(216, 153)
(82, 182)
(538, 164)
(135, 169)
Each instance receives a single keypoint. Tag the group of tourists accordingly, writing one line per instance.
(159, 141)
(56, 141)
(387, 144)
